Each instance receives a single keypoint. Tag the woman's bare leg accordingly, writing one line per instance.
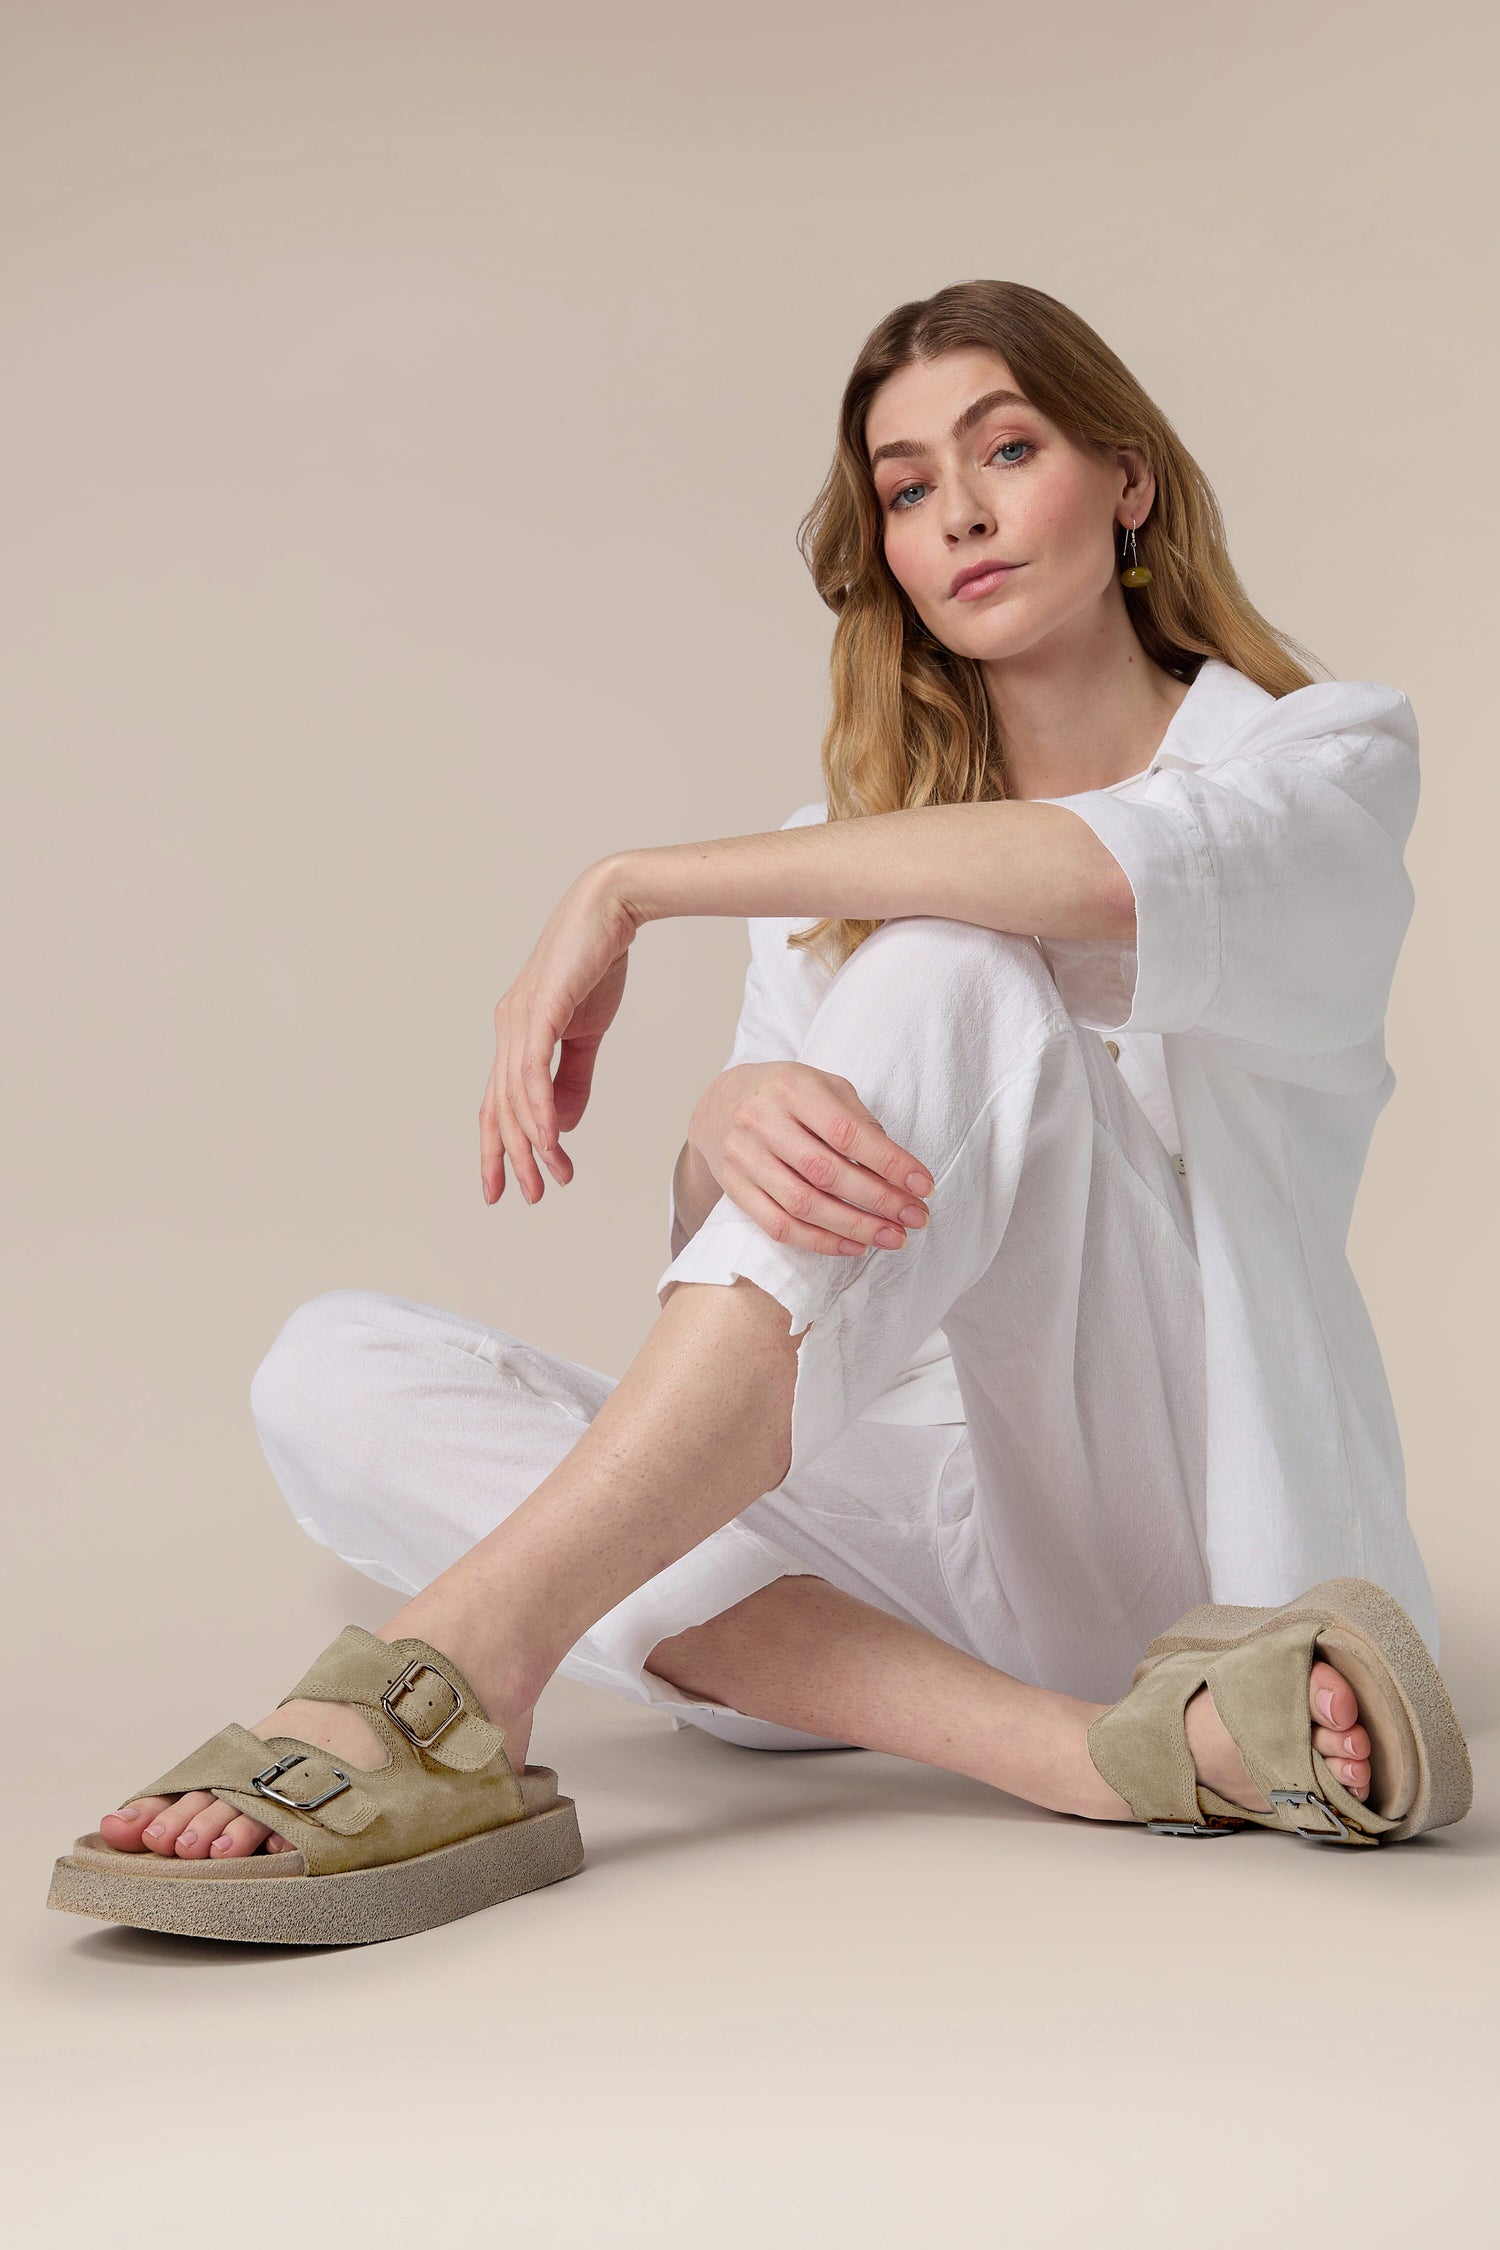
(804, 1654)
(698, 1427)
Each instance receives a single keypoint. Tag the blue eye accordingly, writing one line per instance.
(898, 504)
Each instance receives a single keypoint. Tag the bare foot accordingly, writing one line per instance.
(198, 1825)
(1336, 1733)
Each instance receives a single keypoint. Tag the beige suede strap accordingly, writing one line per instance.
(409, 1690)
(1259, 1689)
(453, 1780)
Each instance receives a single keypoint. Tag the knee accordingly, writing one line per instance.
(918, 948)
(942, 987)
(311, 1371)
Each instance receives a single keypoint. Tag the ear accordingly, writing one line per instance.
(1139, 487)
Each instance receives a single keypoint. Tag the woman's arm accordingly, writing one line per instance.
(1019, 865)
(1029, 867)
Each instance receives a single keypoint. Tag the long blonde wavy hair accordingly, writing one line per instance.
(911, 722)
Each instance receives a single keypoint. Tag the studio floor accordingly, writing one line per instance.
(800, 1998)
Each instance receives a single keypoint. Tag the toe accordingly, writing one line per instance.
(161, 1832)
(1354, 1773)
(125, 1829)
(1340, 1739)
(241, 1837)
(1341, 1742)
(1331, 1698)
(201, 1830)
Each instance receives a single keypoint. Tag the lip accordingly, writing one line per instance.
(980, 579)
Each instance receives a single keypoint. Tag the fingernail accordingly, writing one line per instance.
(914, 1215)
(889, 1237)
(850, 1249)
(920, 1182)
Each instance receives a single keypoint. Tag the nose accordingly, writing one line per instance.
(968, 514)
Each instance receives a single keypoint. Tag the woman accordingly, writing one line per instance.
(990, 1345)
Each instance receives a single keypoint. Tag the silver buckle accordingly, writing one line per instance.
(420, 1664)
(261, 1783)
(1193, 1828)
(1333, 1835)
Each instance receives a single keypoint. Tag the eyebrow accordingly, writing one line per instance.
(907, 449)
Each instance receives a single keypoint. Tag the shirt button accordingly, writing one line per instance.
(1114, 1050)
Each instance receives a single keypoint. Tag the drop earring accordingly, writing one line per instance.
(1137, 574)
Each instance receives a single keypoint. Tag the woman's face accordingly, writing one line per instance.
(979, 479)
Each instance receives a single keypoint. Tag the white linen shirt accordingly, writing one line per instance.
(1263, 845)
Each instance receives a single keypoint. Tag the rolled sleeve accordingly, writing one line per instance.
(1271, 895)
(1165, 979)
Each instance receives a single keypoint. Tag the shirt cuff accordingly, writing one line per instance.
(1168, 976)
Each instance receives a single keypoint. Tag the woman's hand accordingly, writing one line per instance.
(797, 1149)
(568, 990)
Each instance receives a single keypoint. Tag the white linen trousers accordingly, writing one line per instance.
(1052, 1533)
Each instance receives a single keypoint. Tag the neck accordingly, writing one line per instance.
(1080, 718)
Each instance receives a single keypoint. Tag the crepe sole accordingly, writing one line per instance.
(1420, 1774)
(270, 1899)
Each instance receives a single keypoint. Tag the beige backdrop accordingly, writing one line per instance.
(410, 410)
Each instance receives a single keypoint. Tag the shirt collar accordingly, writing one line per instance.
(1217, 704)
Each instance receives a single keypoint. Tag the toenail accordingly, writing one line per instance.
(155, 1829)
(1349, 1742)
(219, 1844)
(190, 1836)
(1325, 1702)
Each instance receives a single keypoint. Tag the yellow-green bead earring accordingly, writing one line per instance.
(1137, 574)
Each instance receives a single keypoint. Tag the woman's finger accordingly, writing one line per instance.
(789, 1188)
(491, 1147)
(796, 1234)
(510, 1020)
(540, 1114)
(518, 1149)
(529, 1036)
(842, 1120)
(835, 1177)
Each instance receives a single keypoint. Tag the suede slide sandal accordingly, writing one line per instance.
(444, 1827)
(1255, 1664)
